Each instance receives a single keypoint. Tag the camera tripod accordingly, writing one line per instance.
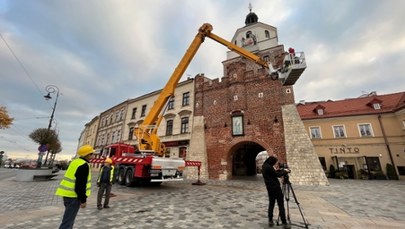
(287, 188)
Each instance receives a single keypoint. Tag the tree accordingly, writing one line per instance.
(1, 157)
(5, 120)
(54, 149)
(43, 136)
(47, 137)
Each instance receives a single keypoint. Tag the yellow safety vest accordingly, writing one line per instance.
(67, 185)
(111, 174)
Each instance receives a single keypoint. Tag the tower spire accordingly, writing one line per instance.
(251, 18)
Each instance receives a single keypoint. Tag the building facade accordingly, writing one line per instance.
(176, 126)
(111, 125)
(358, 137)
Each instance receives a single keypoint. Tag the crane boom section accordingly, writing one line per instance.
(241, 51)
(168, 90)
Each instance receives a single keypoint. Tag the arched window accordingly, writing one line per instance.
(266, 34)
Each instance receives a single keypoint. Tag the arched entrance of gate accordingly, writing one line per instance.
(244, 158)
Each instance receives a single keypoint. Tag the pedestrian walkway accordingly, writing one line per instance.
(236, 203)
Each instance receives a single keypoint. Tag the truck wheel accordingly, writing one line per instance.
(129, 177)
(121, 176)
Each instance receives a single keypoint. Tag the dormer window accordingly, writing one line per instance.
(320, 110)
(375, 104)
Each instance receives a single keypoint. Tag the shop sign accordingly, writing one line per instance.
(175, 143)
(344, 150)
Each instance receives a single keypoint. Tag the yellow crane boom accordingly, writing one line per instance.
(146, 133)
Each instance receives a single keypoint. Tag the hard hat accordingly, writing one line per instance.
(85, 150)
(108, 160)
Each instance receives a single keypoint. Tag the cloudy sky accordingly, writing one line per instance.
(102, 52)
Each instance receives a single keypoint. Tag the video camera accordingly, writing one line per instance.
(283, 166)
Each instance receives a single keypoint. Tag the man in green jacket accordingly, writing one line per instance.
(75, 186)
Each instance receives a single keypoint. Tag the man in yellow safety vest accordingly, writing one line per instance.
(75, 186)
(104, 182)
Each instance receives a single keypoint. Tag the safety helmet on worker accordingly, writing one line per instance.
(108, 160)
(85, 150)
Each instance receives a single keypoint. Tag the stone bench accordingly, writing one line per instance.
(31, 174)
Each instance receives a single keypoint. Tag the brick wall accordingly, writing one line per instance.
(246, 89)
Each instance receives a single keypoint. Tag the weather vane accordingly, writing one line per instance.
(250, 7)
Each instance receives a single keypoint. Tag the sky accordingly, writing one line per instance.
(99, 53)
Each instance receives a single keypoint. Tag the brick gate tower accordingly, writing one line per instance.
(241, 114)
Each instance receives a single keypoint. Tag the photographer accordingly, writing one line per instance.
(271, 175)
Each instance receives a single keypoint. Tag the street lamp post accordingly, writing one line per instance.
(51, 89)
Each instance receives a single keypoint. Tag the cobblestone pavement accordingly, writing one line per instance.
(237, 203)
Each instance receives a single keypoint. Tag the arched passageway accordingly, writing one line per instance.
(244, 159)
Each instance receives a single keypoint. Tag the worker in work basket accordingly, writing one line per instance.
(105, 181)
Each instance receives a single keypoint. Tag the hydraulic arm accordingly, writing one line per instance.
(146, 133)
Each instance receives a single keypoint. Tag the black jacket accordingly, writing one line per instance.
(270, 175)
(81, 174)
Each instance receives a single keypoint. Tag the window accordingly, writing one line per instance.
(143, 112)
(365, 130)
(131, 133)
(113, 137)
(401, 170)
(121, 115)
(170, 104)
(169, 127)
(403, 123)
(237, 125)
(319, 111)
(186, 99)
(266, 34)
(102, 140)
(376, 106)
(248, 34)
(339, 131)
(183, 152)
(373, 163)
(184, 125)
(315, 132)
(133, 113)
(118, 135)
(266, 58)
(117, 116)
